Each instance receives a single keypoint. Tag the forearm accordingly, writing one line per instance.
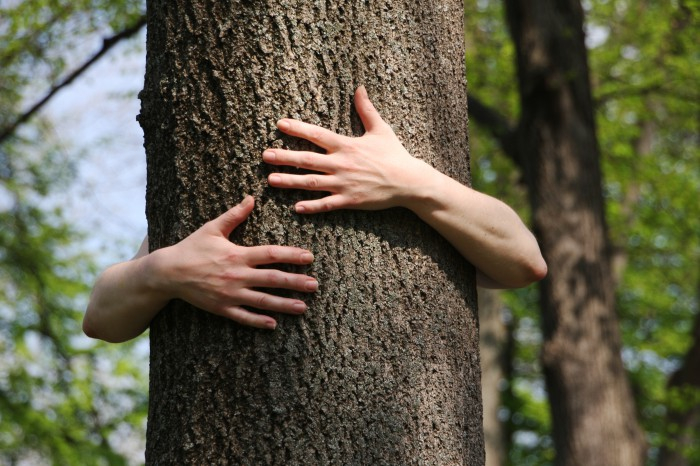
(375, 171)
(124, 301)
(483, 229)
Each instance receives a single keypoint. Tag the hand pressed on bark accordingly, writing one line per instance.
(210, 272)
(206, 270)
(374, 171)
(370, 172)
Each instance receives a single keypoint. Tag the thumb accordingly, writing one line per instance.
(369, 115)
(229, 220)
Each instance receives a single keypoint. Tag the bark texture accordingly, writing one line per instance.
(593, 413)
(384, 367)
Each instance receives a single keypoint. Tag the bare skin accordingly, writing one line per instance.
(370, 172)
(206, 270)
(375, 172)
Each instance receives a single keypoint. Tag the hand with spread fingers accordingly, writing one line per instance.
(206, 270)
(370, 172)
(374, 171)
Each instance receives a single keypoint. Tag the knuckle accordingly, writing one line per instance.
(274, 253)
(226, 311)
(352, 167)
(351, 146)
(235, 256)
(307, 160)
(312, 181)
(262, 301)
(275, 277)
(235, 314)
(232, 276)
(356, 198)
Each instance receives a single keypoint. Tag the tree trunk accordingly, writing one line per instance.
(493, 343)
(683, 417)
(384, 367)
(593, 413)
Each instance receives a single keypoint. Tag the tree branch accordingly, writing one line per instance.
(497, 124)
(107, 44)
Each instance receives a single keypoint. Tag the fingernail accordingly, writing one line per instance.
(300, 209)
(307, 257)
(269, 155)
(311, 285)
(283, 125)
(271, 325)
(274, 179)
(299, 307)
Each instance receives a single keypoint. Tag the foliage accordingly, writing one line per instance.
(649, 134)
(38, 36)
(643, 58)
(63, 399)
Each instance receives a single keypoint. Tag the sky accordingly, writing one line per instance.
(94, 119)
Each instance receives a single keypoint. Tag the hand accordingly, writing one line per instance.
(370, 172)
(210, 272)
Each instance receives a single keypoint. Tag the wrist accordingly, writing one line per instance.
(155, 277)
(424, 192)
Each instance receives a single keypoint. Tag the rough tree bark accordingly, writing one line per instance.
(384, 367)
(555, 146)
(593, 413)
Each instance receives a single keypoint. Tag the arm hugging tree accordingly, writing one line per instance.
(383, 368)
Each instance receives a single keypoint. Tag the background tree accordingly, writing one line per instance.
(61, 402)
(384, 366)
(589, 394)
(641, 63)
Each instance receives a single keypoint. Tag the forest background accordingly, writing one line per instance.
(72, 182)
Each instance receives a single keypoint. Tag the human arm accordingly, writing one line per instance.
(206, 270)
(375, 171)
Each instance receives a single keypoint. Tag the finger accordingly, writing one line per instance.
(265, 278)
(320, 136)
(263, 255)
(369, 115)
(250, 319)
(326, 204)
(233, 217)
(299, 159)
(305, 182)
(269, 302)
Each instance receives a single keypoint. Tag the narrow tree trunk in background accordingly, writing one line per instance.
(593, 413)
(493, 342)
(384, 367)
(683, 422)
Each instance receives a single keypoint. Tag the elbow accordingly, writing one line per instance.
(533, 271)
(88, 327)
(529, 273)
(91, 329)
(92, 332)
(519, 276)
(94, 328)
(538, 270)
